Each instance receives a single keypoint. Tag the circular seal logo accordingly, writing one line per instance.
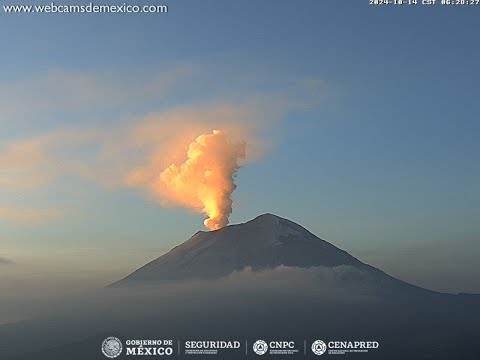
(319, 347)
(260, 347)
(111, 347)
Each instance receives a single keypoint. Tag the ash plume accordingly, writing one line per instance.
(205, 181)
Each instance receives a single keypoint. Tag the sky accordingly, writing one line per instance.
(362, 126)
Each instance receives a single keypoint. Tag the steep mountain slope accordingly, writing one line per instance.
(266, 242)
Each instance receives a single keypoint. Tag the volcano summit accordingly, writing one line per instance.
(264, 243)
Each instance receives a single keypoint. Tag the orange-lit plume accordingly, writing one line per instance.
(205, 181)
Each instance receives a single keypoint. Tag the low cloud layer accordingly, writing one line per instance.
(37, 291)
(282, 303)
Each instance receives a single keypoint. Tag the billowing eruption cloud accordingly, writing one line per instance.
(205, 181)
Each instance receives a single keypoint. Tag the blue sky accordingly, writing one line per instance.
(369, 119)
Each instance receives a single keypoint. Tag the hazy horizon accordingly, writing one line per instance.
(29, 284)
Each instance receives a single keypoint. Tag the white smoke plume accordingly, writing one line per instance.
(205, 181)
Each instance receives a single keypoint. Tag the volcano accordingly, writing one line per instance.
(268, 278)
(266, 242)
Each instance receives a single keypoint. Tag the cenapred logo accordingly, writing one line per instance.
(319, 347)
(111, 347)
(260, 347)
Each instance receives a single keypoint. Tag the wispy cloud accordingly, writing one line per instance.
(35, 161)
(136, 149)
(5, 261)
(60, 90)
(28, 216)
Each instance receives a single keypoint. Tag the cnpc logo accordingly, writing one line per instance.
(261, 347)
